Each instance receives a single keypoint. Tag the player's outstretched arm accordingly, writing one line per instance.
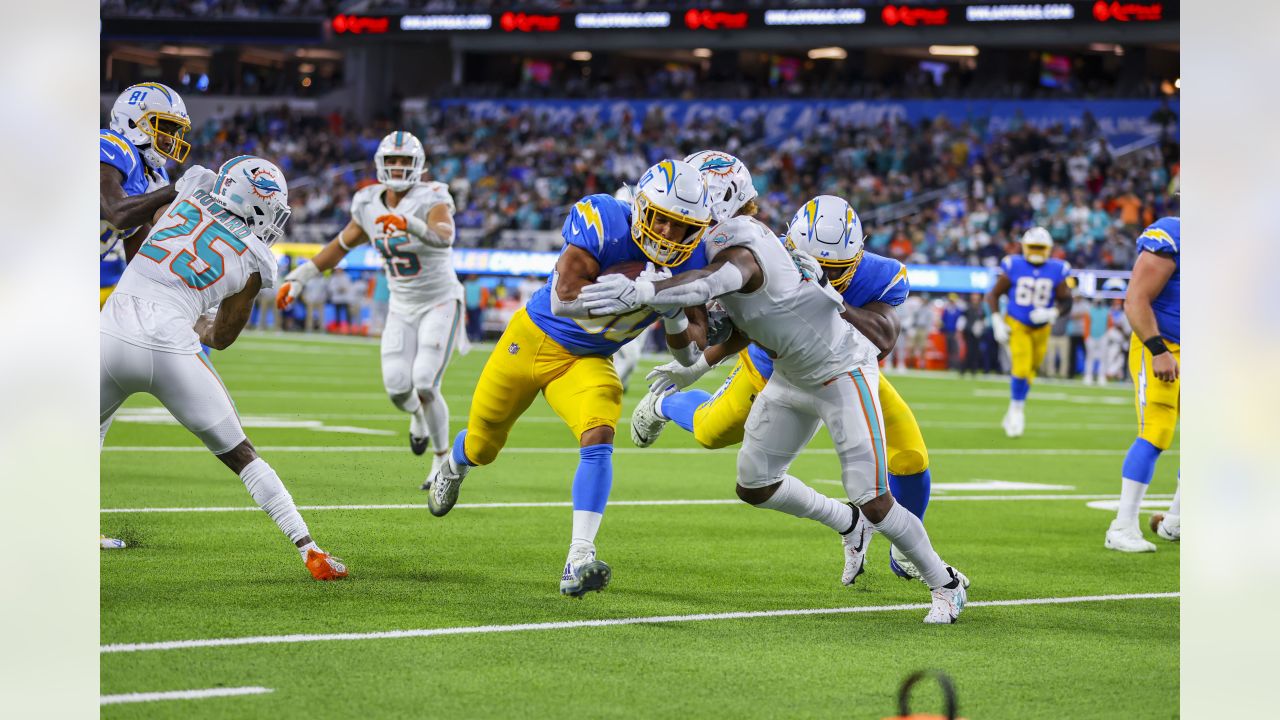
(1150, 274)
(328, 258)
(686, 334)
(877, 321)
(123, 211)
(232, 316)
(575, 269)
(999, 328)
(735, 268)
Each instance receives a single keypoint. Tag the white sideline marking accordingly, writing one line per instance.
(615, 503)
(574, 624)
(181, 695)
(616, 451)
(983, 484)
(1063, 397)
(161, 416)
(1151, 502)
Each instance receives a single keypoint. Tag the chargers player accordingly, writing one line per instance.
(1153, 307)
(1038, 295)
(211, 249)
(871, 286)
(557, 346)
(824, 371)
(148, 124)
(410, 222)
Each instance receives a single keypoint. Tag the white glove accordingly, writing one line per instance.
(807, 264)
(653, 274)
(291, 287)
(1040, 316)
(1000, 329)
(197, 177)
(673, 376)
(615, 295)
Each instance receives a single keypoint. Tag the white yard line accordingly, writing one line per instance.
(181, 695)
(617, 451)
(611, 622)
(615, 503)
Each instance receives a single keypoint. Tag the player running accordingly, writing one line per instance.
(556, 345)
(1038, 295)
(872, 286)
(824, 371)
(148, 123)
(410, 222)
(211, 250)
(1153, 307)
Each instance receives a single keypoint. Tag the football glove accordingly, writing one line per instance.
(673, 376)
(291, 287)
(1040, 316)
(615, 295)
(806, 264)
(719, 326)
(391, 223)
(1000, 329)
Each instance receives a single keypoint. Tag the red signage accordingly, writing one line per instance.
(1127, 12)
(913, 16)
(715, 20)
(359, 24)
(529, 22)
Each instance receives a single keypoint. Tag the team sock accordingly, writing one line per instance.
(793, 497)
(459, 454)
(1175, 507)
(1139, 466)
(591, 485)
(264, 485)
(302, 549)
(1018, 389)
(437, 420)
(912, 491)
(907, 533)
(679, 407)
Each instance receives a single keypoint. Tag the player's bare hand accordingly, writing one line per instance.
(287, 293)
(1165, 367)
(391, 223)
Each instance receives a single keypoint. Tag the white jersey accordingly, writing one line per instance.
(197, 255)
(418, 276)
(789, 316)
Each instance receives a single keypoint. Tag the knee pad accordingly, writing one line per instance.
(751, 471)
(396, 381)
(908, 462)
(400, 399)
(1158, 426)
(428, 394)
(481, 450)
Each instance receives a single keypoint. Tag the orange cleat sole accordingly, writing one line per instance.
(324, 566)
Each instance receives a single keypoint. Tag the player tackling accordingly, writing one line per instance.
(824, 371)
(410, 222)
(210, 248)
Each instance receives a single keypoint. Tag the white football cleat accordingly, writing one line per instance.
(1014, 422)
(901, 566)
(856, 542)
(949, 599)
(583, 573)
(107, 543)
(646, 426)
(1167, 525)
(445, 483)
(1127, 538)
(436, 461)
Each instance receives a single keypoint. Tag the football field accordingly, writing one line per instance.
(715, 608)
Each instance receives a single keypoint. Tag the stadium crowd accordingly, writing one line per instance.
(935, 192)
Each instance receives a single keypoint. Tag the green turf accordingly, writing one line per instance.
(230, 574)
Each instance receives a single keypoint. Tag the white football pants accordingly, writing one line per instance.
(186, 385)
(785, 417)
(415, 353)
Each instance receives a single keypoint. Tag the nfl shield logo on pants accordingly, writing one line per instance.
(513, 348)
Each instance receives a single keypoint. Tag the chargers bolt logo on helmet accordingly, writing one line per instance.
(154, 118)
(827, 228)
(728, 182)
(671, 197)
(400, 176)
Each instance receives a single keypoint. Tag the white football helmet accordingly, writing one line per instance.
(827, 228)
(674, 190)
(154, 118)
(728, 182)
(256, 191)
(400, 177)
(1037, 245)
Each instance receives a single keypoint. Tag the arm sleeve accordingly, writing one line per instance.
(724, 279)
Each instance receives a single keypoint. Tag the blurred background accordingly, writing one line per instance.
(951, 127)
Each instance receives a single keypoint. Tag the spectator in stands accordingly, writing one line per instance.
(1098, 317)
(314, 294)
(341, 295)
(1075, 334)
(1117, 342)
(972, 326)
(472, 294)
(1057, 358)
(952, 313)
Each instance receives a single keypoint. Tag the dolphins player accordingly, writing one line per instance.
(1038, 295)
(1153, 306)
(824, 372)
(211, 249)
(558, 346)
(872, 286)
(410, 222)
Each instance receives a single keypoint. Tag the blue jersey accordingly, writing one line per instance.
(601, 225)
(877, 279)
(1162, 236)
(1034, 286)
(121, 154)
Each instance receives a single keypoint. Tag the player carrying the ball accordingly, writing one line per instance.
(557, 346)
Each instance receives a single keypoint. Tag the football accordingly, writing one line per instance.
(630, 268)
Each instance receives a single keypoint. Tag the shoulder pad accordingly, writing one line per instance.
(736, 231)
(1163, 235)
(116, 152)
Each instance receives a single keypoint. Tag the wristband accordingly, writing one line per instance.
(1156, 345)
(675, 325)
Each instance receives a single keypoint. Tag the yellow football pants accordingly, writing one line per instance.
(584, 390)
(1156, 401)
(103, 294)
(1027, 348)
(719, 422)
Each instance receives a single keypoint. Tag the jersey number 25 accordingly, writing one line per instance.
(166, 242)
